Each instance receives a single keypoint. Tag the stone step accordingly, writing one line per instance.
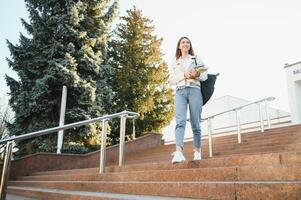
(284, 158)
(217, 149)
(259, 172)
(226, 141)
(51, 194)
(188, 189)
(262, 149)
(269, 134)
(166, 156)
(16, 197)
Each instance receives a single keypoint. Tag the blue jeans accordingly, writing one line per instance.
(188, 96)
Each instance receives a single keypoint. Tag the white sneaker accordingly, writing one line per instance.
(178, 157)
(197, 156)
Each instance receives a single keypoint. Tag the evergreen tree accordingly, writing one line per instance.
(140, 74)
(66, 46)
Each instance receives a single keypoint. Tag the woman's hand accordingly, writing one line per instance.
(192, 74)
(188, 75)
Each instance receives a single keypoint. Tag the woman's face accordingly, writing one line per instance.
(184, 45)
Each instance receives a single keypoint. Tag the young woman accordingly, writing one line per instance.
(187, 81)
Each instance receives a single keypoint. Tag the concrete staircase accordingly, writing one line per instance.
(265, 166)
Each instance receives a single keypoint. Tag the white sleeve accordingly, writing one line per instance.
(199, 61)
(174, 75)
(203, 76)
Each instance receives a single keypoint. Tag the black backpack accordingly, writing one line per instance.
(207, 86)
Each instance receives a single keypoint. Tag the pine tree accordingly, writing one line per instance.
(140, 74)
(66, 46)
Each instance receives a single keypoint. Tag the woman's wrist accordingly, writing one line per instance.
(186, 76)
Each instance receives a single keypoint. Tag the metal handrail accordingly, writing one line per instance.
(67, 126)
(240, 107)
(237, 112)
(123, 116)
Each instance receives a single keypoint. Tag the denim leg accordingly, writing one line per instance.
(195, 108)
(180, 104)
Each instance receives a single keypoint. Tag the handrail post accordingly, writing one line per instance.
(134, 130)
(261, 118)
(5, 170)
(103, 146)
(122, 138)
(62, 120)
(237, 112)
(267, 113)
(210, 137)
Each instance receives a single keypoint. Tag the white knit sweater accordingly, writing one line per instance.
(180, 66)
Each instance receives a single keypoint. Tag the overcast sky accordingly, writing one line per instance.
(246, 41)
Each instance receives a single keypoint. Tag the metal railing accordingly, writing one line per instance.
(238, 121)
(104, 119)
